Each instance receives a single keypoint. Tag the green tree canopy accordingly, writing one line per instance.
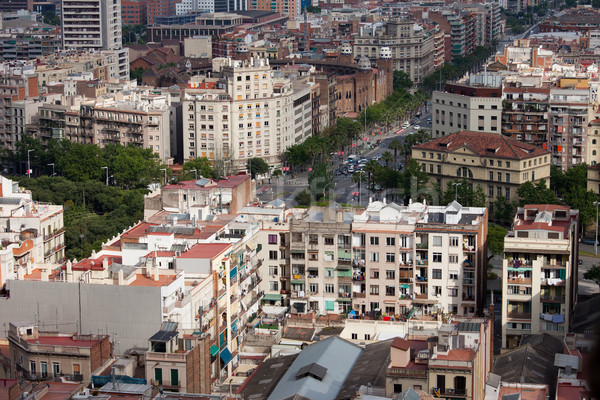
(402, 80)
(257, 166)
(593, 274)
(496, 235)
(538, 193)
(202, 166)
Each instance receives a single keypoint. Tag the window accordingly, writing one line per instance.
(453, 241)
(453, 275)
(375, 274)
(329, 288)
(436, 273)
(313, 287)
(272, 239)
(499, 176)
(437, 290)
(437, 240)
(491, 175)
(44, 369)
(328, 272)
(272, 254)
(328, 241)
(56, 368)
(374, 257)
(374, 240)
(453, 259)
(437, 257)
(313, 239)
(273, 270)
(390, 290)
(274, 286)
(491, 191)
(390, 257)
(390, 241)
(453, 292)
(507, 177)
(390, 274)
(32, 368)
(329, 256)
(464, 172)
(374, 289)
(355, 336)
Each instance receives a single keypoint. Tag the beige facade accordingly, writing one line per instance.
(412, 49)
(453, 111)
(497, 163)
(593, 178)
(46, 356)
(248, 112)
(540, 270)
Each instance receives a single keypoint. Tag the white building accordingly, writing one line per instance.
(249, 111)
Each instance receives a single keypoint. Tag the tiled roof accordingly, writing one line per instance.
(458, 355)
(401, 344)
(62, 341)
(484, 144)
(206, 250)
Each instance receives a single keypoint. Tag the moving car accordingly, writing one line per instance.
(405, 125)
(416, 127)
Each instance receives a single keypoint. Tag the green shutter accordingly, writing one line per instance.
(329, 305)
(158, 375)
(344, 273)
(174, 377)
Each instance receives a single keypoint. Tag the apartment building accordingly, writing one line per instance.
(568, 117)
(48, 355)
(412, 47)
(66, 66)
(291, 8)
(95, 25)
(14, 88)
(133, 12)
(525, 115)
(430, 258)
(541, 270)
(475, 105)
(497, 163)
(178, 360)
(29, 43)
(247, 112)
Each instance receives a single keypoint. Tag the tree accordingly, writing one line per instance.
(82, 163)
(202, 166)
(395, 145)
(51, 18)
(579, 198)
(387, 158)
(257, 166)
(296, 155)
(496, 235)
(538, 193)
(467, 195)
(504, 210)
(320, 180)
(593, 274)
(402, 80)
(303, 198)
(137, 74)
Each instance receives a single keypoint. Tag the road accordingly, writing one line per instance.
(287, 188)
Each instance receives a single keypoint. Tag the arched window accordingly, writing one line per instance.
(594, 152)
(464, 172)
(593, 141)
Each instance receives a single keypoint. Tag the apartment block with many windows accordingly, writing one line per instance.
(540, 269)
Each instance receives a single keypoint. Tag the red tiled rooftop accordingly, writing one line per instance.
(458, 355)
(62, 341)
(138, 231)
(527, 393)
(230, 182)
(143, 280)
(205, 250)
(481, 143)
(95, 264)
(36, 275)
(400, 343)
(155, 254)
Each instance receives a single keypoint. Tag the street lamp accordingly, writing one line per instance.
(456, 185)
(106, 168)
(164, 169)
(52, 164)
(28, 164)
(596, 240)
(195, 173)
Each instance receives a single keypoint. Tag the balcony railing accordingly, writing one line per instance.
(518, 315)
(512, 280)
(421, 296)
(553, 298)
(416, 373)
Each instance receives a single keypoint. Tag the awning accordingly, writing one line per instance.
(226, 356)
(299, 307)
(343, 267)
(344, 300)
(272, 297)
(251, 245)
(294, 251)
(298, 281)
(214, 349)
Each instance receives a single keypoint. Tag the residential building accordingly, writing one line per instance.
(94, 25)
(475, 105)
(31, 42)
(14, 88)
(210, 24)
(133, 12)
(157, 8)
(422, 258)
(593, 178)
(15, 5)
(412, 47)
(593, 146)
(51, 355)
(568, 117)
(179, 361)
(525, 115)
(186, 7)
(495, 162)
(291, 8)
(249, 111)
(230, 5)
(540, 266)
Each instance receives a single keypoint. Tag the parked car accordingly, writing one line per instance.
(416, 127)
(590, 242)
(405, 125)
(429, 120)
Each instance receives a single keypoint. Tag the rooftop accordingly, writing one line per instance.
(66, 341)
(207, 184)
(484, 144)
(206, 250)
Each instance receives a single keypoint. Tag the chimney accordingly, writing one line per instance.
(69, 271)
(105, 264)
(120, 278)
(156, 275)
(45, 274)
(20, 273)
(28, 267)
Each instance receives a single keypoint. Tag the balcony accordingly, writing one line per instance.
(467, 297)
(408, 373)
(514, 280)
(422, 246)
(468, 281)
(553, 298)
(358, 276)
(552, 282)
(358, 295)
(421, 296)
(519, 315)
(449, 392)
(420, 278)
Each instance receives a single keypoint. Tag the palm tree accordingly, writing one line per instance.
(395, 145)
(387, 158)
(370, 167)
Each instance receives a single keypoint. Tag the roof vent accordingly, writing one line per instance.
(313, 370)
(492, 149)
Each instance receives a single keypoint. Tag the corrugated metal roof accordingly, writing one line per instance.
(469, 326)
(334, 354)
(10, 200)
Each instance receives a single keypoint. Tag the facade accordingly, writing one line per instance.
(179, 361)
(133, 12)
(29, 43)
(593, 178)
(158, 8)
(247, 112)
(540, 266)
(498, 163)
(525, 115)
(210, 24)
(291, 8)
(472, 107)
(15, 5)
(14, 89)
(411, 46)
(47, 356)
